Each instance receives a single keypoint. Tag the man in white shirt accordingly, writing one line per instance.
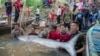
(58, 13)
(37, 14)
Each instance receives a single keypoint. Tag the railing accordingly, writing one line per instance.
(90, 47)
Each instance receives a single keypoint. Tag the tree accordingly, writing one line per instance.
(34, 3)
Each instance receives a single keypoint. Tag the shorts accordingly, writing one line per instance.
(8, 13)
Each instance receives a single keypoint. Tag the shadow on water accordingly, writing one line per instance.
(18, 48)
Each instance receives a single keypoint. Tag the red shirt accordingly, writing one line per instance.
(64, 38)
(80, 0)
(18, 5)
(63, 10)
(54, 35)
(51, 1)
(52, 16)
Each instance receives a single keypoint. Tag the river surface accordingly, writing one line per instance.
(10, 47)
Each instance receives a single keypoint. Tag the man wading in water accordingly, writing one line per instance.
(17, 31)
(80, 44)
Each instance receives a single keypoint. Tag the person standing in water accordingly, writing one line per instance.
(64, 36)
(53, 33)
(17, 31)
(18, 5)
(81, 41)
(8, 6)
(33, 31)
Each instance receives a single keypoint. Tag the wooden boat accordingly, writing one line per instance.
(5, 28)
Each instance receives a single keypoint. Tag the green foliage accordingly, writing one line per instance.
(2, 2)
(29, 2)
(34, 3)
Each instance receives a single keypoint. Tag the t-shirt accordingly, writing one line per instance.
(63, 10)
(64, 37)
(16, 33)
(80, 41)
(18, 5)
(67, 16)
(52, 16)
(91, 16)
(8, 6)
(79, 16)
(37, 11)
(54, 35)
(59, 11)
(86, 13)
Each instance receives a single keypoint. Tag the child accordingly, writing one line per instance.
(8, 6)
(52, 16)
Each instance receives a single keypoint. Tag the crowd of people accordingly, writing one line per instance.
(83, 13)
(86, 15)
(69, 23)
(55, 32)
(48, 3)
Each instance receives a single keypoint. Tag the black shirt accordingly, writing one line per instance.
(8, 6)
(80, 42)
(86, 13)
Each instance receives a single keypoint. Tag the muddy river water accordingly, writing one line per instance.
(10, 47)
